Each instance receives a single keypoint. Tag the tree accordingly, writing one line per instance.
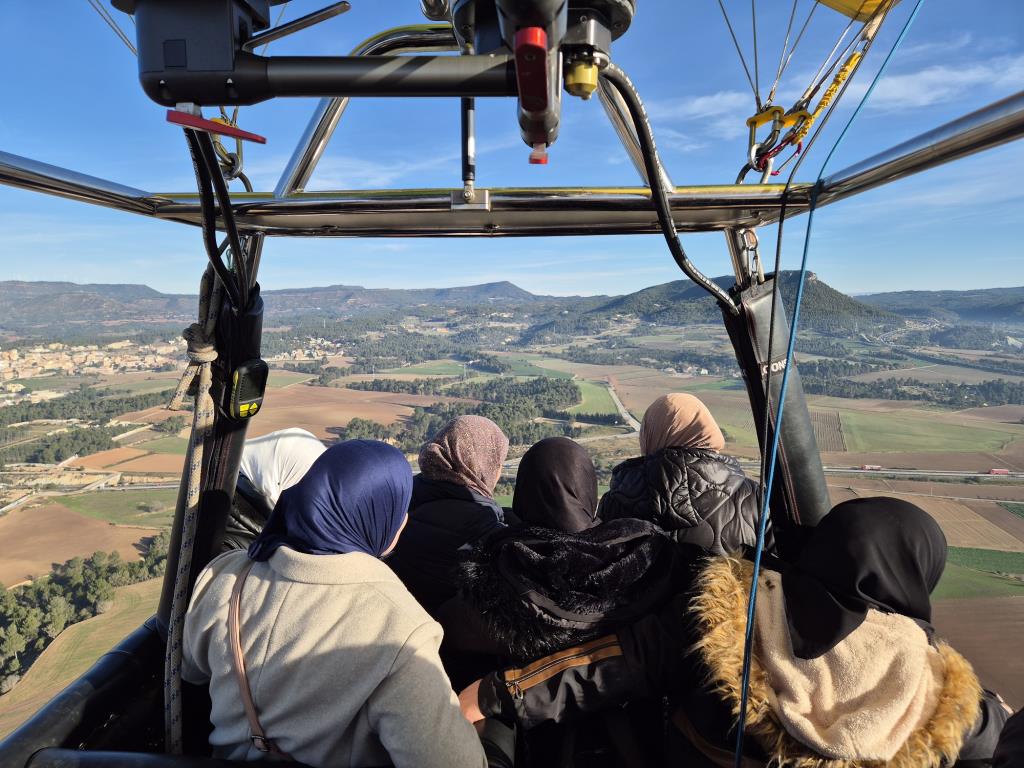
(59, 613)
(172, 426)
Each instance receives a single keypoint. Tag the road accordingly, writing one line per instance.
(622, 409)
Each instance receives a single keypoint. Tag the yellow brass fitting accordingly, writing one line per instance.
(581, 79)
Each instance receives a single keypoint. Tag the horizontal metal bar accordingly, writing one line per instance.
(401, 76)
(988, 127)
(509, 212)
(321, 126)
(22, 172)
(296, 25)
(535, 212)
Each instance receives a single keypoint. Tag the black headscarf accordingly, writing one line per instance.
(556, 486)
(880, 553)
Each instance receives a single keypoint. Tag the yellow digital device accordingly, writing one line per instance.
(248, 385)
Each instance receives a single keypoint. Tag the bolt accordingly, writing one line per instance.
(583, 19)
(529, 57)
(229, 81)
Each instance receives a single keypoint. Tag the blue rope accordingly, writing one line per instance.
(763, 519)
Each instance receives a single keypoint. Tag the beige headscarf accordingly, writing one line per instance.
(679, 420)
(468, 451)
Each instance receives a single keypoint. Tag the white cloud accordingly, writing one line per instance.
(678, 141)
(700, 107)
(943, 83)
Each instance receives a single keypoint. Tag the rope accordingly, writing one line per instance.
(848, 68)
(757, 69)
(790, 348)
(739, 51)
(197, 378)
(785, 46)
(104, 14)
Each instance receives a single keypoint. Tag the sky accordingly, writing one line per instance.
(72, 98)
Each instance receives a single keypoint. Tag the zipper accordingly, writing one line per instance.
(514, 686)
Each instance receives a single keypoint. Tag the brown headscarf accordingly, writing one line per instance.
(679, 420)
(468, 451)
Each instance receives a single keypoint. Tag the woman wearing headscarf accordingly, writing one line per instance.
(846, 668)
(312, 648)
(683, 483)
(452, 506)
(269, 465)
(559, 578)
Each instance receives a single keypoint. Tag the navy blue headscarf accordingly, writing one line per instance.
(353, 499)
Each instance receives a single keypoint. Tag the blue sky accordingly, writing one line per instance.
(72, 98)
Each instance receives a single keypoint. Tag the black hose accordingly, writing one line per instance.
(209, 219)
(652, 164)
(220, 188)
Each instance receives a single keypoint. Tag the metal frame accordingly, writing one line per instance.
(288, 211)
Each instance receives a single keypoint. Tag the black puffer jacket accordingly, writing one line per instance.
(698, 496)
(443, 518)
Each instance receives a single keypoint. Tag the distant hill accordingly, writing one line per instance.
(354, 299)
(987, 305)
(683, 302)
(53, 307)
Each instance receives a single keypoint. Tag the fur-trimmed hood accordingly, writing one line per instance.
(720, 608)
(539, 590)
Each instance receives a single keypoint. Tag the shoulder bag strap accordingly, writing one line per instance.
(259, 737)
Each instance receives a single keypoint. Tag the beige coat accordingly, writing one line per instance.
(342, 662)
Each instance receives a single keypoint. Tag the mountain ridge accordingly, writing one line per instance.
(32, 306)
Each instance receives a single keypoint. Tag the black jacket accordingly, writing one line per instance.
(698, 496)
(658, 656)
(535, 590)
(444, 518)
(247, 516)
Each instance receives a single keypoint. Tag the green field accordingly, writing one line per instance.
(431, 368)
(868, 431)
(141, 387)
(280, 379)
(990, 560)
(1009, 506)
(958, 581)
(56, 383)
(75, 650)
(122, 507)
(595, 399)
(173, 444)
(715, 385)
(527, 366)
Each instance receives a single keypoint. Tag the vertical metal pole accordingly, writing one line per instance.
(468, 148)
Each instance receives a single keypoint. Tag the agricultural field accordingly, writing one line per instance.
(532, 365)
(58, 383)
(828, 430)
(75, 650)
(118, 387)
(150, 507)
(430, 368)
(107, 459)
(280, 378)
(175, 445)
(595, 399)
(323, 409)
(914, 432)
(934, 372)
(987, 630)
(37, 535)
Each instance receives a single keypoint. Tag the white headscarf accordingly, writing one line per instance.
(279, 460)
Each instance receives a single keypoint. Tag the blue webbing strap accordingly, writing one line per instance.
(762, 521)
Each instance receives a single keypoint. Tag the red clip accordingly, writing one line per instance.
(539, 155)
(532, 68)
(211, 126)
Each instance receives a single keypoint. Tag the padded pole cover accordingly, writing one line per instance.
(799, 495)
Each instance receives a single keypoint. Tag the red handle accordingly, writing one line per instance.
(532, 68)
(211, 126)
